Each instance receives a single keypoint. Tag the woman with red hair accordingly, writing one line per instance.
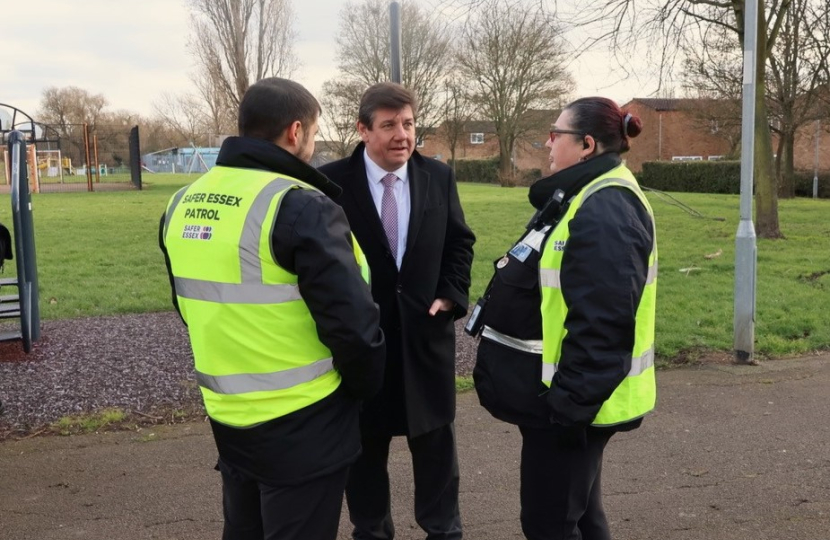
(567, 323)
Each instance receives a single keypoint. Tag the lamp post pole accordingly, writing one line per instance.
(395, 43)
(745, 246)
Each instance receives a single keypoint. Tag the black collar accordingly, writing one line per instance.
(248, 153)
(572, 179)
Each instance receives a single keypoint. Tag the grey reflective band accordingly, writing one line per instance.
(236, 293)
(652, 273)
(250, 263)
(639, 364)
(264, 382)
(548, 277)
(602, 183)
(173, 204)
(533, 346)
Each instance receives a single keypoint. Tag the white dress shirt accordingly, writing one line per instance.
(401, 190)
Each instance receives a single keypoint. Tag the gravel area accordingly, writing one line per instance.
(138, 363)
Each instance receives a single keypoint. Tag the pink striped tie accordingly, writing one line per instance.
(389, 213)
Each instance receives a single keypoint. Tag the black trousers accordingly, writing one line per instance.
(255, 511)
(435, 468)
(561, 479)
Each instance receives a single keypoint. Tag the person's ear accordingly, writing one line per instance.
(362, 130)
(294, 133)
(589, 145)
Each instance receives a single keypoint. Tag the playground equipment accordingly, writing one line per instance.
(24, 304)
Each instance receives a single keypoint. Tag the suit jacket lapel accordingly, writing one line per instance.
(418, 188)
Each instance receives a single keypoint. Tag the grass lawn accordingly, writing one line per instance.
(98, 255)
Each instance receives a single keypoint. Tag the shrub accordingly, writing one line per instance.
(692, 176)
(482, 171)
(804, 184)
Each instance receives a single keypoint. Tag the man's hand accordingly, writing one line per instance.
(441, 304)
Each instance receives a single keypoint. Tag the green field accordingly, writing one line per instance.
(98, 255)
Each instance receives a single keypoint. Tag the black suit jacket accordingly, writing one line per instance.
(436, 264)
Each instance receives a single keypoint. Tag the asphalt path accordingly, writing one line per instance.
(732, 452)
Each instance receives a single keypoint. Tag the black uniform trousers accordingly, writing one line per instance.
(561, 479)
(435, 468)
(256, 511)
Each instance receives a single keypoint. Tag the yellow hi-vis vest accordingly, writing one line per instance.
(636, 395)
(255, 344)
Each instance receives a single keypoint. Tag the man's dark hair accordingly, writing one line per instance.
(271, 105)
(385, 95)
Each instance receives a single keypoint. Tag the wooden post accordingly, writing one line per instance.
(95, 154)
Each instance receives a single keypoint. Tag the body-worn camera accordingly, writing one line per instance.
(476, 322)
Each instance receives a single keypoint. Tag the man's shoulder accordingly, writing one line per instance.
(433, 166)
(335, 167)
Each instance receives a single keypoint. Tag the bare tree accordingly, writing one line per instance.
(184, 114)
(512, 55)
(61, 107)
(456, 111)
(66, 109)
(340, 102)
(238, 42)
(664, 25)
(363, 55)
(796, 66)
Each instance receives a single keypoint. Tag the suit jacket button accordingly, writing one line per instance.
(399, 288)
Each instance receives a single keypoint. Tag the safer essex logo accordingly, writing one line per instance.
(197, 232)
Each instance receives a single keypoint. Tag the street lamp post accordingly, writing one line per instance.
(745, 246)
(395, 43)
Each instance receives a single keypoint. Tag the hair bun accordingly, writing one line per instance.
(631, 125)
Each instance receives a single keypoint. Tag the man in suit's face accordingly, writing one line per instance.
(390, 139)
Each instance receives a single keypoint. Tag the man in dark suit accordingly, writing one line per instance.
(405, 212)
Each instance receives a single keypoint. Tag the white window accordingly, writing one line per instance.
(419, 142)
(715, 158)
(687, 158)
(476, 138)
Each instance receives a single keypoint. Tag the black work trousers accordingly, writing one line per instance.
(255, 511)
(561, 478)
(435, 468)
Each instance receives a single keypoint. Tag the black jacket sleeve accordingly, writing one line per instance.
(169, 269)
(457, 257)
(312, 239)
(604, 270)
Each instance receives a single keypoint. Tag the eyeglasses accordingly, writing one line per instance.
(555, 131)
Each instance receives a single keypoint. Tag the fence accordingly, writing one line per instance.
(83, 158)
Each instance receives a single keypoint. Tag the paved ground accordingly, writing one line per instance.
(733, 452)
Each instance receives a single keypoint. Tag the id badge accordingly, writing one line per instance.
(521, 251)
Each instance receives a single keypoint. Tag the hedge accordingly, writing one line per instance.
(486, 171)
(716, 177)
(483, 171)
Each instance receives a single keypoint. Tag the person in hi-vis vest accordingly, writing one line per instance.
(567, 323)
(274, 291)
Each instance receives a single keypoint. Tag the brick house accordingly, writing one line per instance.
(682, 129)
(479, 141)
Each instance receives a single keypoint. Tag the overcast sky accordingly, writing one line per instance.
(132, 51)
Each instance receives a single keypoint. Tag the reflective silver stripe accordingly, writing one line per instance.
(638, 365)
(264, 382)
(250, 263)
(173, 204)
(235, 293)
(641, 363)
(548, 371)
(602, 183)
(533, 346)
(652, 273)
(549, 277)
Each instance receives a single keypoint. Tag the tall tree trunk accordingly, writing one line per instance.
(766, 191)
(505, 164)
